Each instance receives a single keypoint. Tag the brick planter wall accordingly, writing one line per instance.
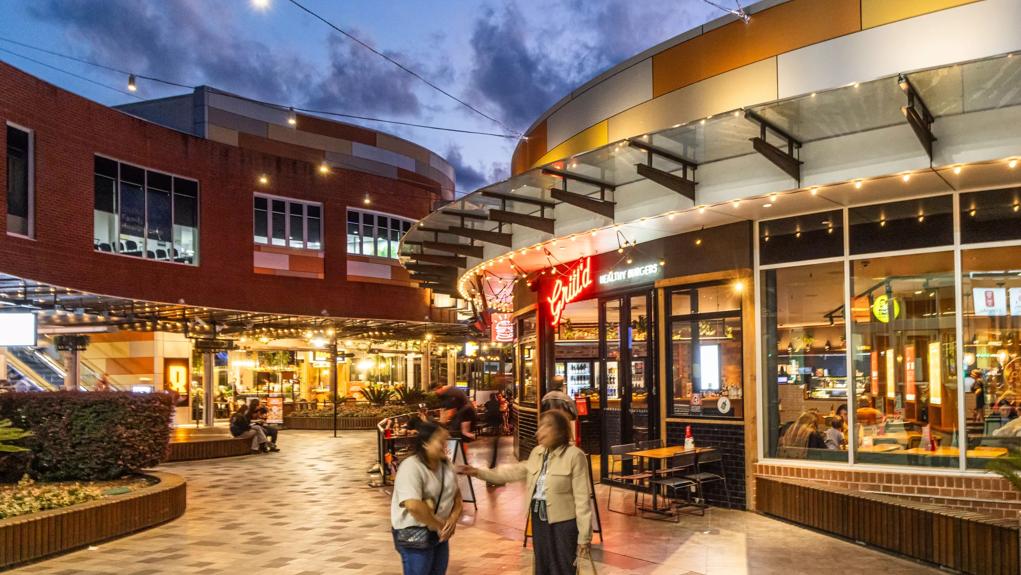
(208, 449)
(983, 493)
(28, 538)
(321, 423)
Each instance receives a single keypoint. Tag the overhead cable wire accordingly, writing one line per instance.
(249, 99)
(401, 66)
(72, 74)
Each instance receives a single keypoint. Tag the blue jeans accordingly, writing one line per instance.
(431, 561)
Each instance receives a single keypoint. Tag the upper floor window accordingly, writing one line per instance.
(375, 234)
(19, 181)
(288, 223)
(144, 213)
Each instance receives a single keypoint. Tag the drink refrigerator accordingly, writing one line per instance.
(578, 375)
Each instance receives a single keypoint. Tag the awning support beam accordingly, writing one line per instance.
(785, 160)
(917, 115)
(540, 223)
(459, 249)
(492, 237)
(601, 207)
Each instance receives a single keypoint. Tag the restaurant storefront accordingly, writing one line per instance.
(649, 340)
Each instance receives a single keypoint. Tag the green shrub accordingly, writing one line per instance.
(90, 436)
(408, 396)
(28, 497)
(10, 433)
(353, 410)
(376, 394)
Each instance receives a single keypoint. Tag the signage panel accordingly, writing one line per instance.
(632, 274)
(17, 329)
(502, 328)
(990, 301)
(568, 287)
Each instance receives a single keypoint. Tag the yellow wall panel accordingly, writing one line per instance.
(585, 140)
(779, 29)
(529, 151)
(878, 12)
(752, 84)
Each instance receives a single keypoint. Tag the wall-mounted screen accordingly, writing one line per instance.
(17, 329)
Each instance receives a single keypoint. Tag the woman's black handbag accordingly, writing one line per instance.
(418, 537)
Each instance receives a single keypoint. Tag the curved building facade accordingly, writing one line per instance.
(770, 233)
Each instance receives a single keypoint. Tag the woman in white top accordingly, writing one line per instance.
(426, 504)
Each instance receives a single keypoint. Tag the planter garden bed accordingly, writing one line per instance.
(116, 508)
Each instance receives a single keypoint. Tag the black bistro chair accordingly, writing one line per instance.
(710, 469)
(618, 457)
(674, 482)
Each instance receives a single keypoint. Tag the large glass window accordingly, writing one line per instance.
(991, 290)
(287, 223)
(373, 234)
(528, 359)
(805, 361)
(144, 213)
(904, 346)
(706, 350)
(898, 226)
(19, 181)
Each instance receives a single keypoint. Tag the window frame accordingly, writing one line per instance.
(145, 194)
(288, 201)
(395, 223)
(31, 178)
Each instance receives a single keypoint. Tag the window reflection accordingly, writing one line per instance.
(991, 290)
(903, 335)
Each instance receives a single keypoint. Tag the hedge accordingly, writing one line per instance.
(90, 436)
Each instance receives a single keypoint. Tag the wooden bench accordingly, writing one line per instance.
(966, 541)
(195, 448)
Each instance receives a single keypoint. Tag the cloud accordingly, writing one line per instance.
(508, 72)
(193, 42)
(469, 178)
(360, 82)
(185, 41)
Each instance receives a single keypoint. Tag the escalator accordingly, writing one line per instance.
(34, 366)
(43, 367)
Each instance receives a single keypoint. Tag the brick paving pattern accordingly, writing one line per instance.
(308, 511)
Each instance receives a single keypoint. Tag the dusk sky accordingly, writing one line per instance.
(512, 60)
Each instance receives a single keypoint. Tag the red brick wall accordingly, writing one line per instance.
(983, 493)
(69, 130)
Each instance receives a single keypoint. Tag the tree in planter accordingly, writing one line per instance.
(1008, 468)
(14, 459)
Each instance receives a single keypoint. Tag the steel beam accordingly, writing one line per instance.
(529, 221)
(601, 207)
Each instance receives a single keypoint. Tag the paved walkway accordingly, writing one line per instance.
(308, 510)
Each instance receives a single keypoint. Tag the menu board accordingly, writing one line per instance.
(275, 405)
(990, 301)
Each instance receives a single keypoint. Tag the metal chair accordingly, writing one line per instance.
(675, 482)
(619, 456)
(650, 444)
(701, 476)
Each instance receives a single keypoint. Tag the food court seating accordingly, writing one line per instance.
(618, 457)
(702, 474)
(676, 482)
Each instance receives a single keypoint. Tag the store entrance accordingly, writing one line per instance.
(626, 373)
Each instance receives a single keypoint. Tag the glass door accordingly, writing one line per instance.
(626, 373)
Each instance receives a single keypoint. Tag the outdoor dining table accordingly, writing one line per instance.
(662, 454)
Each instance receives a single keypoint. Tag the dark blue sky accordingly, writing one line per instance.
(510, 59)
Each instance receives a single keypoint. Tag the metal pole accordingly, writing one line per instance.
(333, 380)
(208, 389)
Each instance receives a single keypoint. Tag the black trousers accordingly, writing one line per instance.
(556, 545)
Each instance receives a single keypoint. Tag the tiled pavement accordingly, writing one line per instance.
(308, 510)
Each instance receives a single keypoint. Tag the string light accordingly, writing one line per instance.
(857, 184)
(957, 170)
(324, 168)
(906, 178)
(1012, 164)
(132, 85)
(367, 199)
(260, 5)
(292, 119)
(264, 179)
(815, 190)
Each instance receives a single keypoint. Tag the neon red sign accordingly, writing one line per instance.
(564, 292)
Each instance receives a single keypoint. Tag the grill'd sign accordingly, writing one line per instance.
(568, 287)
(637, 272)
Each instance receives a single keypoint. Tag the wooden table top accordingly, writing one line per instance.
(983, 452)
(669, 451)
(880, 448)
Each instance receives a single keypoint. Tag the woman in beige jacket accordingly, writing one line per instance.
(557, 479)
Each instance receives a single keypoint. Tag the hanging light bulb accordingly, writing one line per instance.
(291, 118)
(263, 179)
(132, 86)
(367, 199)
(324, 168)
(662, 262)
